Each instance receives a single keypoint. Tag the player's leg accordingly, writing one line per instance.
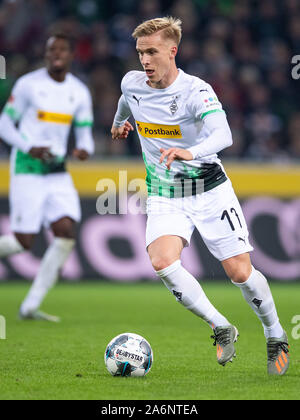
(14, 243)
(169, 229)
(25, 208)
(222, 227)
(53, 260)
(25, 239)
(231, 246)
(61, 213)
(165, 254)
(257, 293)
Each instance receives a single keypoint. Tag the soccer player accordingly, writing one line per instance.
(182, 127)
(44, 104)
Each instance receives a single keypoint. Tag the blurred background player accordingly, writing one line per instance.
(45, 103)
(181, 123)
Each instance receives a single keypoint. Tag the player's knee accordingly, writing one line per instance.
(160, 262)
(238, 268)
(240, 274)
(65, 234)
(64, 228)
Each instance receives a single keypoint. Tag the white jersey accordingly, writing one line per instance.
(45, 110)
(172, 117)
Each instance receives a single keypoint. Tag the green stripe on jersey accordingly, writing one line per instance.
(190, 181)
(26, 164)
(83, 123)
(12, 113)
(210, 112)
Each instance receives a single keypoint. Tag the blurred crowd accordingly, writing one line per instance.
(242, 48)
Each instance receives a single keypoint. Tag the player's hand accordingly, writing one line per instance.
(42, 153)
(80, 154)
(174, 153)
(121, 132)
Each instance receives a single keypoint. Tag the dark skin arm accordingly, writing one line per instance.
(41, 153)
(44, 154)
(80, 154)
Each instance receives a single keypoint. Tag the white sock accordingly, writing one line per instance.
(190, 294)
(9, 245)
(52, 262)
(257, 293)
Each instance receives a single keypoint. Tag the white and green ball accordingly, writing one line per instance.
(128, 354)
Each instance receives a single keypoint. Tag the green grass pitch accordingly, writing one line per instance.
(66, 361)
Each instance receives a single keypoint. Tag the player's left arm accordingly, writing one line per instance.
(83, 123)
(219, 137)
(204, 106)
(174, 153)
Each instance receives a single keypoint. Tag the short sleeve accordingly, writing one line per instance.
(124, 84)
(204, 101)
(18, 101)
(128, 80)
(84, 114)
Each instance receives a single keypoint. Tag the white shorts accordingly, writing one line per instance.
(216, 214)
(37, 200)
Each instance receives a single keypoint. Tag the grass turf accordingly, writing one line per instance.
(66, 361)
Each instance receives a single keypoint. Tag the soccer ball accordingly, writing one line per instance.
(128, 354)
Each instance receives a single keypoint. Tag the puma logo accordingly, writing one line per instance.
(137, 100)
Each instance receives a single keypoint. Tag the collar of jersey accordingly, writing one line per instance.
(55, 81)
(180, 72)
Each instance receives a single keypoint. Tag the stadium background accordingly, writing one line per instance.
(244, 49)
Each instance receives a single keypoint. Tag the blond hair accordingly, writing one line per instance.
(170, 27)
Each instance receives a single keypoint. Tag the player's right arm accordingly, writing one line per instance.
(121, 127)
(11, 114)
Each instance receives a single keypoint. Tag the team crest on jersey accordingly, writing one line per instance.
(174, 106)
